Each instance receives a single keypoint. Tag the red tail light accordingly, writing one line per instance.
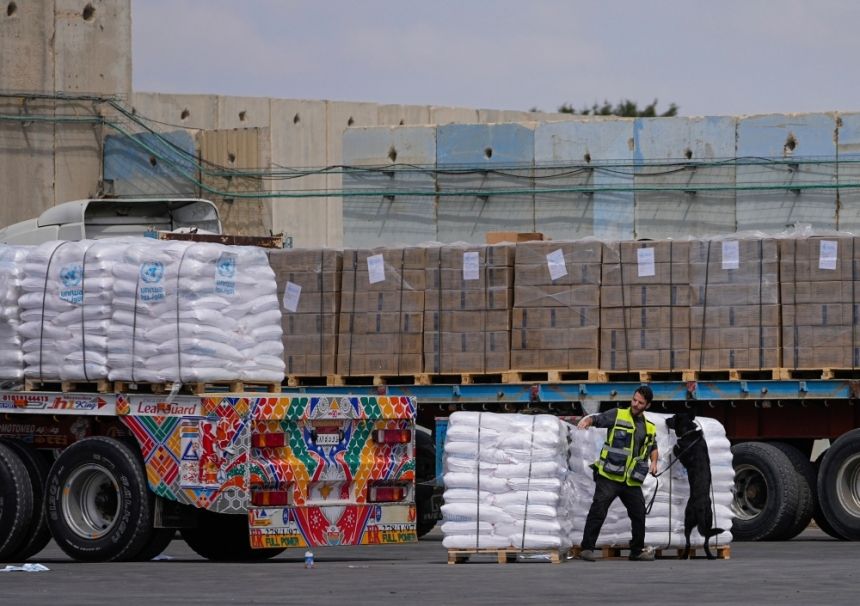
(268, 440)
(386, 493)
(393, 436)
(271, 498)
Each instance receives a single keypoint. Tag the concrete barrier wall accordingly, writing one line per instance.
(786, 136)
(576, 149)
(390, 216)
(504, 156)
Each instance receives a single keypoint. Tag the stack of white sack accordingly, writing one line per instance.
(194, 312)
(664, 525)
(66, 309)
(11, 276)
(504, 478)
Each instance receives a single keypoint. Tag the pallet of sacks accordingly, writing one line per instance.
(664, 525)
(149, 311)
(504, 483)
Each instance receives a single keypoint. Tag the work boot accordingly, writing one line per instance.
(643, 556)
(586, 555)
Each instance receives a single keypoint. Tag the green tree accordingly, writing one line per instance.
(624, 108)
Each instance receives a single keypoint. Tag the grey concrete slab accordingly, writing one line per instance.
(398, 214)
(776, 204)
(848, 171)
(578, 155)
(152, 164)
(28, 58)
(689, 160)
(185, 111)
(492, 165)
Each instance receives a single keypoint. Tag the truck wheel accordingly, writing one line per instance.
(38, 534)
(98, 503)
(158, 542)
(818, 513)
(224, 537)
(427, 501)
(766, 492)
(16, 502)
(839, 485)
(805, 475)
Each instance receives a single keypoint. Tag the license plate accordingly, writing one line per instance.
(327, 439)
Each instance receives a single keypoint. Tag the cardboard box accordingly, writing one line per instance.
(379, 364)
(471, 300)
(382, 323)
(734, 315)
(555, 338)
(644, 296)
(360, 302)
(574, 252)
(556, 296)
(645, 317)
(735, 358)
(539, 275)
(392, 344)
(309, 324)
(309, 365)
(467, 321)
(644, 339)
(436, 363)
(555, 317)
(735, 338)
(656, 360)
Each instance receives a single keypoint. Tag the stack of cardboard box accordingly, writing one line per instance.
(467, 314)
(734, 321)
(309, 288)
(644, 306)
(382, 312)
(556, 302)
(818, 277)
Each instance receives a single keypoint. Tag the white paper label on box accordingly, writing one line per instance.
(645, 256)
(375, 269)
(827, 254)
(555, 263)
(471, 266)
(292, 292)
(731, 254)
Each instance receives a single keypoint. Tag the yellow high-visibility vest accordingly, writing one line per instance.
(617, 460)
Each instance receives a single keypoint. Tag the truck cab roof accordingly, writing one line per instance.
(104, 218)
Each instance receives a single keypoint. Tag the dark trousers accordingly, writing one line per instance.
(605, 491)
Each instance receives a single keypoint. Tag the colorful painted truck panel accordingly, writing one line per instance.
(308, 470)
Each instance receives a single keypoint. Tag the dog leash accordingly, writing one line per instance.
(672, 462)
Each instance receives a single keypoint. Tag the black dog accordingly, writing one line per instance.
(692, 451)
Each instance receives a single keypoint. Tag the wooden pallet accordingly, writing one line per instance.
(723, 552)
(100, 386)
(735, 374)
(817, 373)
(197, 388)
(550, 376)
(503, 556)
(307, 380)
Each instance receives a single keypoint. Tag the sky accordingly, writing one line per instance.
(724, 57)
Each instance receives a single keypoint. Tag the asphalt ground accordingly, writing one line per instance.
(811, 569)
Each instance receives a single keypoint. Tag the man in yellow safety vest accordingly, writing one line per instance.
(627, 456)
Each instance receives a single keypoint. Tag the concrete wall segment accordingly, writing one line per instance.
(807, 136)
(27, 61)
(667, 152)
(399, 218)
(570, 154)
(848, 171)
(92, 46)
(181, 111)
(150, 164)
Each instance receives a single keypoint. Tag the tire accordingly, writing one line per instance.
(38, 533)
(427, 502)
(224, 537)
(16, 503)
(818, 513)
(158, 542)
(839, 485)
(98, 502)
(805, 475)
(766, 491)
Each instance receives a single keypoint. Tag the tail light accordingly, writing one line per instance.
(271, 498)
(386, 493)
(269, 440)
(393, 436)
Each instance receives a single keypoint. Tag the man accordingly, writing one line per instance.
(631, 443)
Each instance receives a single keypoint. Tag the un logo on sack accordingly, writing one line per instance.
(226, 266)
(71, 275)
(152, 271)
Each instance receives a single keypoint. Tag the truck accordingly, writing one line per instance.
(112, 470)
(795, 438)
